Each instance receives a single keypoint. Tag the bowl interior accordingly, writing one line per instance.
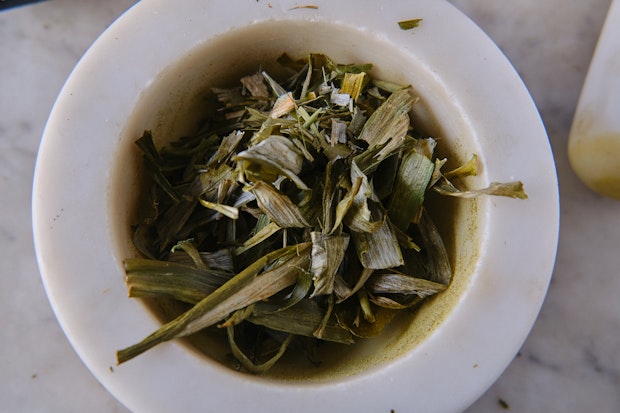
(177, 99)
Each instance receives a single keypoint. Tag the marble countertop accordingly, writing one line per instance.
(570, 361)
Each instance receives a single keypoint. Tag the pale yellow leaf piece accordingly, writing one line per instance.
(507, 189)
(353, 84)
(468, 169)
(226, 210)
(284, 105)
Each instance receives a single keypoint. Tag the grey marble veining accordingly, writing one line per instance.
(569, 363)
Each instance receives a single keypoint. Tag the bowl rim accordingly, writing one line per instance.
(64, 254)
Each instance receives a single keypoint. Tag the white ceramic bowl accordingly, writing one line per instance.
(147, 71)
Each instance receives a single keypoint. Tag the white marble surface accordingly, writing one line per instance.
(569, 363)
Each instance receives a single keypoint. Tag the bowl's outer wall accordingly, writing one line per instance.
(464, 80)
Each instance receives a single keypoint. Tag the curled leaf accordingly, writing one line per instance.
(278, 206)
(379, 249)
(328, 251)
(249, 364)
(227, 210)
(284, 105)
(390, 121)
(470, 168)
(507, 189)
(274, 156)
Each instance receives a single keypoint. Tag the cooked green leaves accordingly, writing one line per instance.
(296, 214)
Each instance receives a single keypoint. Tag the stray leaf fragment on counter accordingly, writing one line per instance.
(297, 214)
(409, 24)
(305, 7)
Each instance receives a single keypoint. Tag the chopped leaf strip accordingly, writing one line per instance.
(328, 251)
(398, 283)
(227, 210)
(333, 173)
(366, 273)
(284, 105)
(389, 121)
(154, 278)
(338, 132)
(353, 83)
(299, 292)
(435, 250)
(238, 317)
(172, 221)
(393, 303)
(301, 319)
(217, 260)
(388, 86)
(275, 151)
(207, 181)
(378, 250)
(320, 330)
(152, 162)
(190, 249)
(507, 189)
(255, 84)
(412, 179)
(409, 24)
(264, 286)
(364, 214)
(278, 206)
(437, 175)
(365, 306)
(275, 87)
(226, 148)
(345, 204)
(265, 232)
